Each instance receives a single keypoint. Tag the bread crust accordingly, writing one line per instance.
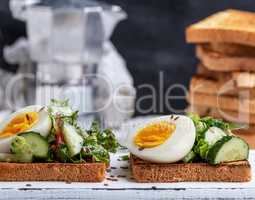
(86, 172)
(219, 62)
(146, 172)
(230, 26)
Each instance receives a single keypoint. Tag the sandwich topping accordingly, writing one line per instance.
(171, 139)
(53, 134)
(215, 142)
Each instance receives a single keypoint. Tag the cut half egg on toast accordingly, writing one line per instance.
(164, 139)
(31, 118)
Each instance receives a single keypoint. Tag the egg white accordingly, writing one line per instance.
(43, 126)
(173, 149)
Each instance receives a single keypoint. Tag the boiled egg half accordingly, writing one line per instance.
(164, 139)
(31, 118)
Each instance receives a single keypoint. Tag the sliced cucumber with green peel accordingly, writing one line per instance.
(213, 134)
(73, 140)
(189, 157)
(39, 144)
(227, 149)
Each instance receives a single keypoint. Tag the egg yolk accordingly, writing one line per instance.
(20, 123)
(154, 134)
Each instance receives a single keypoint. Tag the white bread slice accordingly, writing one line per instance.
(221, 62)
(200, 110)
(204, 85)
(215, 75)
(227, 115)
(231, 26)
(222, 102)
(241, 79)
(233, 116)
(231, 49)
(244, 79)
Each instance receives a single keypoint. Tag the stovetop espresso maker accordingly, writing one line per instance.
(67, 41)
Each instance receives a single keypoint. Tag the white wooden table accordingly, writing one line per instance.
(119, 185)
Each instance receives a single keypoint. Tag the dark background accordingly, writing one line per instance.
(152, 40)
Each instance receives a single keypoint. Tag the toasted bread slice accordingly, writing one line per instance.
(222, 102)
(231, 49)
(87, 172)
(146, 172)
(244, 79)
(203, 85)
(215, 75)
(227, 115)
(233, 116)
(230, 88)
(220, 62)
(202, 111)
(230, 26)
(241, 79)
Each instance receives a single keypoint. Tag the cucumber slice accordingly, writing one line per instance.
(213, 134)
(189, 157)
(227, 149)
(39, 144)
(73, 140)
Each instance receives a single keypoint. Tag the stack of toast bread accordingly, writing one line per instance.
(224, 85)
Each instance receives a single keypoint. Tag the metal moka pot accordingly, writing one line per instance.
(66, 44)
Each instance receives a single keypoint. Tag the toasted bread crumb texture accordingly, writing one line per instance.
(88, 172)
(232, 26)
(145, 172)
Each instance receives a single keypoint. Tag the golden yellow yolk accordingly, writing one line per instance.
(20, 123)
(154, 134)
